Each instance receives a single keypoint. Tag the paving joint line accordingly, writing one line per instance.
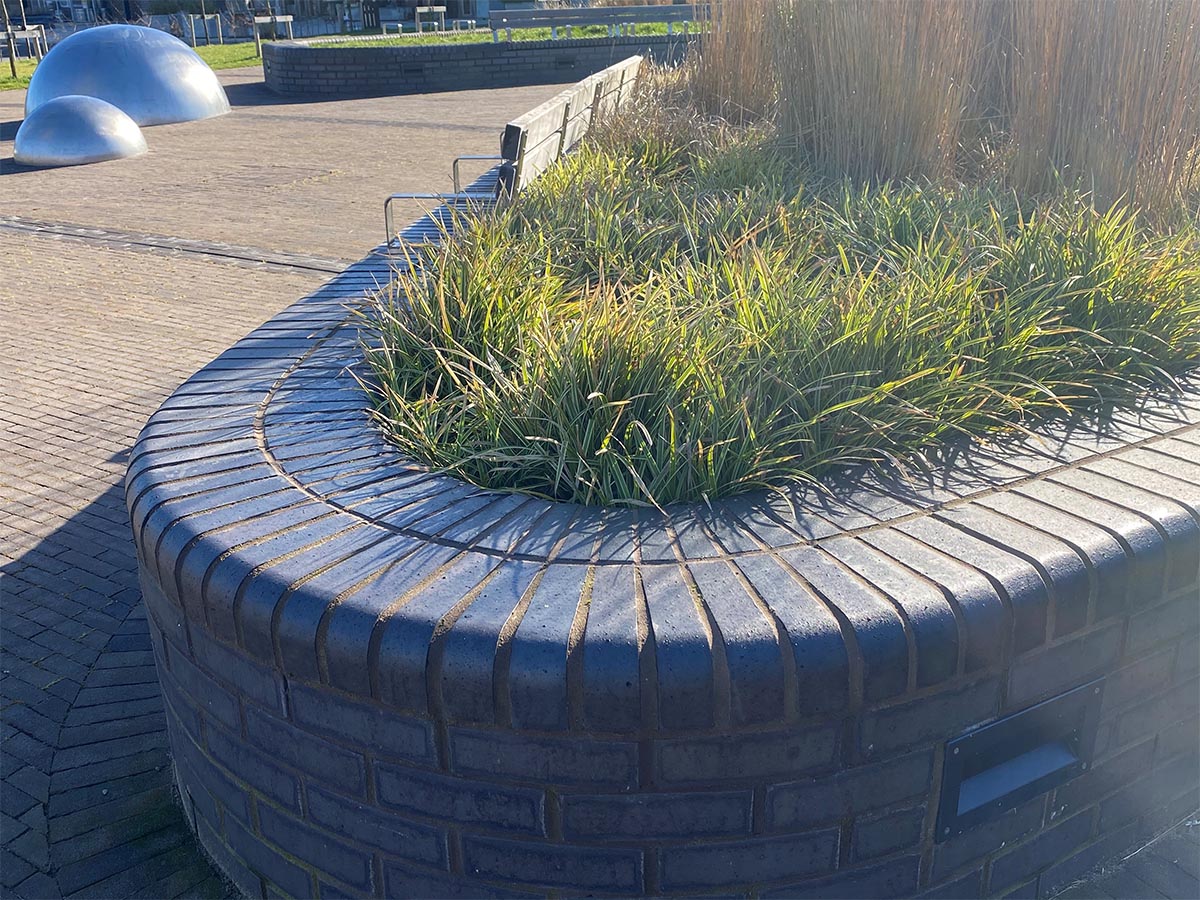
(130, 240)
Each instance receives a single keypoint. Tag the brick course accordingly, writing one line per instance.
(294, 68)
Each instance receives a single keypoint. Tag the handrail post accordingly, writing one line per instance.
(562, 130)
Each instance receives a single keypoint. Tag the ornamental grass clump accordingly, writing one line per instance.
(843, 232)
(681, 311)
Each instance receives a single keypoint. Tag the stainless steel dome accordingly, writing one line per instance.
(72, 130)
(153, 77)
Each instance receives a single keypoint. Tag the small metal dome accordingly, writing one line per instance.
(151, 76)
(73, 130)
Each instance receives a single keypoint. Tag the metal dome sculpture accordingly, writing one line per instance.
(73, 130)
(153, 77)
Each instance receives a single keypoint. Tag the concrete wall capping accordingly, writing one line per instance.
(384, 682)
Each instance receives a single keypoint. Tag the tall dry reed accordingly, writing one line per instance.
(1103, 94)
(734, 77)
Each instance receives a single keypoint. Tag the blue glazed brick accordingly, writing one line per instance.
(611, 661)
(752, 646)
(1042, 850)
(468, 650)
(564, 761)
(213, 700)
(612, 871)
(192, 572)
(206, 777)
(722, 865)
(1103, 553)
(819, 652)
(537, 665)
(505, 519)
(163, 612)
(889, 833)
(928, 612)
(964, 887)
(402, 881)
(1063, 666)
(271, 537)
(1027, 592)
(1183, 533)
(1187, 656)
(1136, 681)
(261, 594)
(376, 728)
(1060, 566)
(1141, 539)
(751, 756)
(1162, 623)
(231, 866)
(333, 765)
(255, 768)
(348, 864)
(1151, 793)
(1104, 777)
(985, 620)
(378, 828)
(682, 648)
(265, 497)
(656, 816)
(177, 704)
(895, 878)
(252, 680)
(555, 520)
(406, 634)
(1158, 712)
(1081, 862)
(346, 631)
(878, 630)
(268, 862)
(298, 619)
(1178, 738)
(471, 803)
(934, 718)
(803, 804)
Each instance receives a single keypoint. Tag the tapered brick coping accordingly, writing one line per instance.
(385, 682)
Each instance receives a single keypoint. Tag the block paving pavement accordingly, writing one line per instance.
(118, 281)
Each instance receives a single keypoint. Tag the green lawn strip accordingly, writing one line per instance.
(229, 56)
(485, 36)
(24, 70)
(218, 56)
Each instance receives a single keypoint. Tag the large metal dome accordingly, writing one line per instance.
(153, 77)
(73, 130)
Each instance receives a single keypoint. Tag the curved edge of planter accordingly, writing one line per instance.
(384, 682)
(297, 68)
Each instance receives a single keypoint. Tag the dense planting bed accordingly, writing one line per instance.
(682, 311)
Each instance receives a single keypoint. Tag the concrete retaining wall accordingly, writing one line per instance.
(294, 68)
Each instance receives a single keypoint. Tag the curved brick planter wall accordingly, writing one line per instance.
(294, 68)
(382, 682)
